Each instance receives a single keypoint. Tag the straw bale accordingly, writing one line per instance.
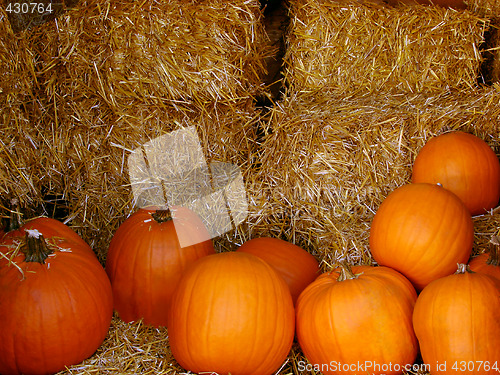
(84, 90)
(366, 47)
(80, 153)
(327, 163)
(192, 52)
(484, 8)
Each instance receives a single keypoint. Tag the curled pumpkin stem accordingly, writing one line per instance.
(35, 247)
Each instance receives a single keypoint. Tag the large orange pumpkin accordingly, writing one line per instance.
(231, 313)
(457, 323)
(489, 262)
(297, 267)
(362, 317)
(145, 261)
(464, 164)
(422, 231)
(55, 299)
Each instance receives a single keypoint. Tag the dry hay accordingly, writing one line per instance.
(358, 48)
(84, 162)
(484, 8)
(200, 52)
(70, 117)
(327, 163)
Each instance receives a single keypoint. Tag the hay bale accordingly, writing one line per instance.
(327, 163)
(157, 52)
(357, 48)
(80, 154)
(484, 8)
(101, 80)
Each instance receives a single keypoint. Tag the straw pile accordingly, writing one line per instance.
(328, 163)
(82, 91)
(356, 48)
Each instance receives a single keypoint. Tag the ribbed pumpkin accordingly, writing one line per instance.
(457, 323)
(364, 316)
(464, 164)
(55, 299)
(422, 231)
(297, 267)
(489, 262)
(145, 261)
(231, 313)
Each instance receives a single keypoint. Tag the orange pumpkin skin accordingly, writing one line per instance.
(422, 231)
(464, 164)
(231, 313)
(53, 314)
(145, 262)
(297, 267)
(487, 263)
(457, 323)
(362, 320)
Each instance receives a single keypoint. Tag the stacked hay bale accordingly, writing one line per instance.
(366, 86)
(84, 90)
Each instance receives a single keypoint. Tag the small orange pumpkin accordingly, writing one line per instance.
(145, 261)
(422, 231)
(355, 316)
(488, 263)
(457, 323)
(297, 267)
(463, 164)
(231, 313)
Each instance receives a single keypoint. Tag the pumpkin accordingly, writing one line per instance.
(422, 231)
(55, 299)
(145, 261)
(464, 164)
(359, 315)
(457, 323)
(297, 267)
(231, 313)
(488, 263)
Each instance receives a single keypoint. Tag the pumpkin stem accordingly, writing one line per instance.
(463, 268)
(35, 247)
(494, 250)
(161, 216)
(14, 221)
(346, 273)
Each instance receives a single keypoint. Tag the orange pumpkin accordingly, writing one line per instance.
(145, 261)
(364, 316)
(457, 323)
(422, 231)
(55, 299)
(488, 263)
(464, 164)
(231, 313)
(297, 267)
